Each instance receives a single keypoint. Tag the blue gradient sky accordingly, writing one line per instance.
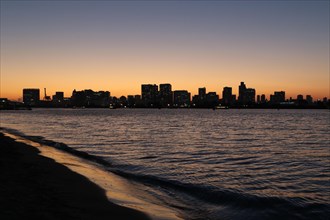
(117, 46)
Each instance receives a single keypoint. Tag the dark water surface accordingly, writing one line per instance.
(223, 164)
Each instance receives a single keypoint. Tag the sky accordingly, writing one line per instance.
(119, 45)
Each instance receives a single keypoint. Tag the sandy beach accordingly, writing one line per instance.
(36, 187)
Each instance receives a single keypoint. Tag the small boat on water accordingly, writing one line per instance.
(220, 107)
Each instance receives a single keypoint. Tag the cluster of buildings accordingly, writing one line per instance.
(85, 98)
(162, 96)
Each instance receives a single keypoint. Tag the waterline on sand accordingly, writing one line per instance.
(118, 189)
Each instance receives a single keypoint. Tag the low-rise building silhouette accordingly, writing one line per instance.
(131, 101)
(58, 99)
(212, 99)
(89, 98)
(181, 99)
(277, 98)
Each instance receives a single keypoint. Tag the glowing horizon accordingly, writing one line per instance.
(117, 46)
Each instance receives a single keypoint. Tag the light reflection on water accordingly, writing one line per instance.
(266, 153)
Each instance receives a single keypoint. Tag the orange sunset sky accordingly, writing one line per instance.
(117, 46)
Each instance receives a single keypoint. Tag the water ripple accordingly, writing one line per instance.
(235, 164)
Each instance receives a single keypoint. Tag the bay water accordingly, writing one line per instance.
(206, 164)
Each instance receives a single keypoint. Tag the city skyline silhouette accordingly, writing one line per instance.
(117, 46)
(164, 96)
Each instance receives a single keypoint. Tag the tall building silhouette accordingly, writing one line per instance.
(241, 93)
(202, 93)
(31, 97)
(309, 99)
(227, 96)
(246, 95)
(263, 98)
(250, 95)
(149, 93)
(201, 99)
(165, 95)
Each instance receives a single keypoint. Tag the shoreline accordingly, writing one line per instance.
(209, 108)
(39, 181)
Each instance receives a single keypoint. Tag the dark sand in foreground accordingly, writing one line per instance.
(36, 187)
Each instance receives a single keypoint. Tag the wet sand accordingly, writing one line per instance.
(36, 187)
